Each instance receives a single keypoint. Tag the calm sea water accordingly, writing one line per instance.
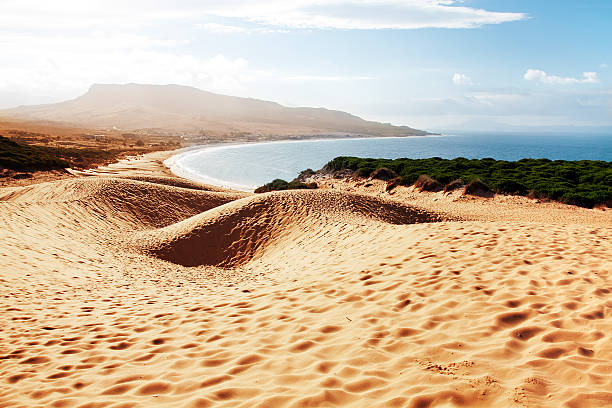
(248, 166)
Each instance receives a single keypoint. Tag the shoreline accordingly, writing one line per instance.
(199, 163)
(181, 172)
(115, 167)
(193, 176)
(497, 208)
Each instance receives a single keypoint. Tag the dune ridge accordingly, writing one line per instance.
(235, 233)
(317, 298)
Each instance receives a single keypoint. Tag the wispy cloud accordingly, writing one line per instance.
(461, 79)
(362, 15)
(588, 107)
(317, 14)
(56, 49)
(541, 76)
(221, 28)
(327, 78)
(32, 74)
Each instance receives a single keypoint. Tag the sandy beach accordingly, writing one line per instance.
(130, 287)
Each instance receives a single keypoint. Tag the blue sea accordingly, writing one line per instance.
(247, 166)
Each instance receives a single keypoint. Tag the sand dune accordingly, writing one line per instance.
(136, 293)
(235, 233)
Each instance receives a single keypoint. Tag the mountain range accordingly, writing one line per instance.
(183, 109)
(489, 126)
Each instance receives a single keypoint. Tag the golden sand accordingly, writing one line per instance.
(136, 289)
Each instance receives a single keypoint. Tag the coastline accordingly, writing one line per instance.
(182, 172)
(160, 163)
(178, 171)
(285, 160)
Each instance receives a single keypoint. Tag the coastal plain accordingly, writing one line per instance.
(128, 287)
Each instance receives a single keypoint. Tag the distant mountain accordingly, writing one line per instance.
(485, 125)
(174, 108)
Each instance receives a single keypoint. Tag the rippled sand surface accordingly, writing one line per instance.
(147, 292)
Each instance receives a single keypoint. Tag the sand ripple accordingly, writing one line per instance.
(132, 293)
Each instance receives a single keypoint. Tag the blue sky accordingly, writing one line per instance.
(423, 63)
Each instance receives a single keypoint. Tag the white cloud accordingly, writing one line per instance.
(358, 14)
(221, 28)
(51, 50)
(33, 71)
(317, 14)
(603, 66)
(539, 75)
(327, 78)
(462, 79)
(563, 106)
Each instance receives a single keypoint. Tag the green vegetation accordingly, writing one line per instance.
(279, 184)
(585, 183)
(23, 157)
(20, 157)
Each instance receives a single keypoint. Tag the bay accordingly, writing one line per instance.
(247, 166)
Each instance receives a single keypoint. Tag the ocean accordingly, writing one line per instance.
(248, 166)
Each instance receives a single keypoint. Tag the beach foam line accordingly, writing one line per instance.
(178, 168)
(174, 163)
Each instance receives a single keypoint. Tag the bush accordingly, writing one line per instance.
(453, 185)
(478, 188)
(280, 184)
(305, 174)
(22, 157)
(583, 182)
(426, 183)
(391, 184)
(510, 186)
(365, 171)
(383, 173)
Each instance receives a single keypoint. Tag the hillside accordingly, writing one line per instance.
(174, 108)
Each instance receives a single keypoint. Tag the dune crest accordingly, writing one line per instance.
(235, 233)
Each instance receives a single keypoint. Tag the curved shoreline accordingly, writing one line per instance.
(263, 161)
(180, 171)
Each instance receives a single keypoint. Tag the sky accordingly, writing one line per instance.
(423, 63)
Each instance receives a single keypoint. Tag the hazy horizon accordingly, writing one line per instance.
(427, 64)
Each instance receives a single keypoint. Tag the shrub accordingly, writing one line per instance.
(280, 184)
(582, 182)
(365, 171)
(305, 174)
(22, 157)
(426, 183)
(510, 186)
(453, 185)
(478, 188)
(391, 184)
(274, 185)
(383, 173)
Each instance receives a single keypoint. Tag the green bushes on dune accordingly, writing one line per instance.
(22, 157)
(279, 185)
(584, 182)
